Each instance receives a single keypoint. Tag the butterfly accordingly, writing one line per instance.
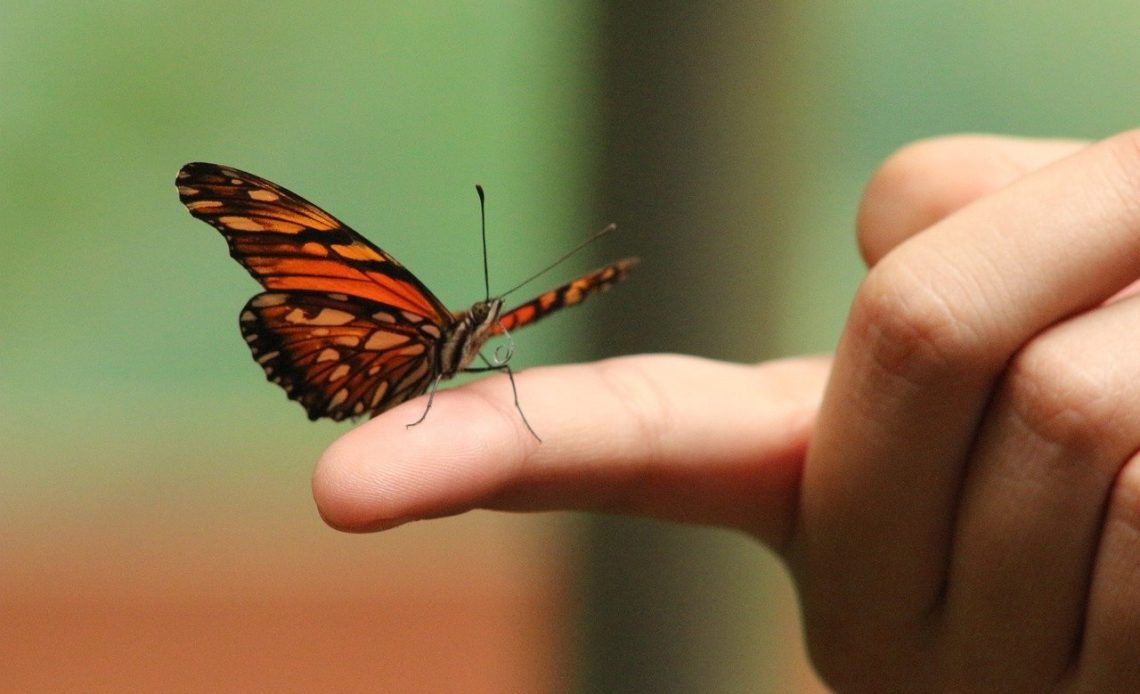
(343, 327)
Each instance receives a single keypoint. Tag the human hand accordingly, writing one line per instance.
(970, 507)
(959, 522)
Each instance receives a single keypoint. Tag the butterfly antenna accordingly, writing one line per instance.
(594, 237)
(483, 226)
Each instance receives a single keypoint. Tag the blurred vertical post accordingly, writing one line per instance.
(690, 172)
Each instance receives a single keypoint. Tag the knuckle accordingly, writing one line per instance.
(1061, 398)
(911, 327)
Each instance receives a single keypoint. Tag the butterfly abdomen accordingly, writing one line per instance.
(569, 294)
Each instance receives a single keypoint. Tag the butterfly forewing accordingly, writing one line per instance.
(288, 243)
(339, 357)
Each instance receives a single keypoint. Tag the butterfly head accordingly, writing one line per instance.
(470, 333)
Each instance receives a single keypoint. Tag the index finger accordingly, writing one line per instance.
(668, 436)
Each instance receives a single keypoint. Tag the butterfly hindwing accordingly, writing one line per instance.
(288, 243)
(338, 356)
(569, 294)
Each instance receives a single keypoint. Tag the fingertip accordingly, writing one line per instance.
(386, 472)
(336, 491)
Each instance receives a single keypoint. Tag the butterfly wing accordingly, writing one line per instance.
(338, 356)
(571, 293)
(289, 244)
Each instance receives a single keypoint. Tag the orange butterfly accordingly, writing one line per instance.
(344, 328)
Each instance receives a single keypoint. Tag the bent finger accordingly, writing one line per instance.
(926, 181)
(1055, 436)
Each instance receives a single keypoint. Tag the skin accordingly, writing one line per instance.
(955, 491)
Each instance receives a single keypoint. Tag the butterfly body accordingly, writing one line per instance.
(343, 327)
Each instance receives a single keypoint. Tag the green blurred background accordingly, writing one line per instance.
(156, 527)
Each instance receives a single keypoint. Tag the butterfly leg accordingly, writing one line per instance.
(503, 366)
(431, 396)
(515, 393)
